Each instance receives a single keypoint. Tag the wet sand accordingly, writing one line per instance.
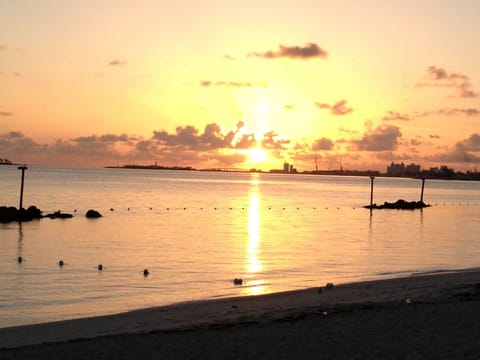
(427, 316)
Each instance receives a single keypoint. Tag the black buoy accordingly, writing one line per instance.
(19, 259)
(61, 263)
(146, 272)
(100, 267)
(237, 281)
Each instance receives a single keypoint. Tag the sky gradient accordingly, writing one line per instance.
(353, 84)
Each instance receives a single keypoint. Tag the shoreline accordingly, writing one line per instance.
(434, 289)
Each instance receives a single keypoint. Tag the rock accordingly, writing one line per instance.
(400, 205)
(59, 215)
(8, 214)
(93, 214)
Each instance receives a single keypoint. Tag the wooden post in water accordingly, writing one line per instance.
(23, 168)
(371, 192)
(423, 185)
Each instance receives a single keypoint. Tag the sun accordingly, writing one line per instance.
(257, 155)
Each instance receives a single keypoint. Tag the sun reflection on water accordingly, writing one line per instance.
(254, 264)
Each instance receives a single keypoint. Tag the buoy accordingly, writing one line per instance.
(237, 281)
(100, 267)
(61, 263)
(19, 259)
(111, 209)
(146, 272)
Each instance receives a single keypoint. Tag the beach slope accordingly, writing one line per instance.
(418, 317)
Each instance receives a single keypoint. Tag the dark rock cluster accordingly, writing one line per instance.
(400, 205)
(8, 214)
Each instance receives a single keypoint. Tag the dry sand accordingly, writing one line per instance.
(428, 316)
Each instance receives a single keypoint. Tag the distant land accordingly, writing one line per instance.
(6, 162)
(393, 170)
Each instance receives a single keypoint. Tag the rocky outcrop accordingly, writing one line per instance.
(400, 205)
(8, 214)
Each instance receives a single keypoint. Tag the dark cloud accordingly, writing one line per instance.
(437, 73)
(470, 144)
(189, 137)
(117, 63)
(396, 116)
(382, 138)
(308, 51)
(339, 108)
(246, 141)
(289, 106)
(439, 77)
(434, 136)
(6, 113)
(14, 144)
(322, 144)
(237, 84)
(455, 156)
(271, 142)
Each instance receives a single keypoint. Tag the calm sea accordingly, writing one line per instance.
(197, 231)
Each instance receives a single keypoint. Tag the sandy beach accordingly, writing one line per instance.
(426, 316)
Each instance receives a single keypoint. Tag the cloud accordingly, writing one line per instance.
(339, 108)
(455, 156)
(452, 111)
(434, 136)
(228, 57)
(3, 48)
(6, 113)
(396, 116)
(235, 84)
(382, 138)
(342, 129)
(189, 137)
(439, 77)
(271, 142)
(14, 144)
(289, 106)
(322, 144)
(308, 51)
(117, 63)
(470, 144)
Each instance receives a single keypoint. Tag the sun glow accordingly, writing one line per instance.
(257, 155)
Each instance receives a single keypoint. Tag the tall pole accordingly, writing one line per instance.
(371, 192)
(23, 168)
(423, 185)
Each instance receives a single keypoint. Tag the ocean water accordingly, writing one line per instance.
(197, 231)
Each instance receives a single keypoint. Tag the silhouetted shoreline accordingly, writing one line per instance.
(469, 176)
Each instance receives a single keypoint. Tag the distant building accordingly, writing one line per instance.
(287, 169)
(400, 169)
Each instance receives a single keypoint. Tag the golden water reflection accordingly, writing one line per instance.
(254, 265)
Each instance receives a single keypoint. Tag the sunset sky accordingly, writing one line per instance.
(210, 83)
